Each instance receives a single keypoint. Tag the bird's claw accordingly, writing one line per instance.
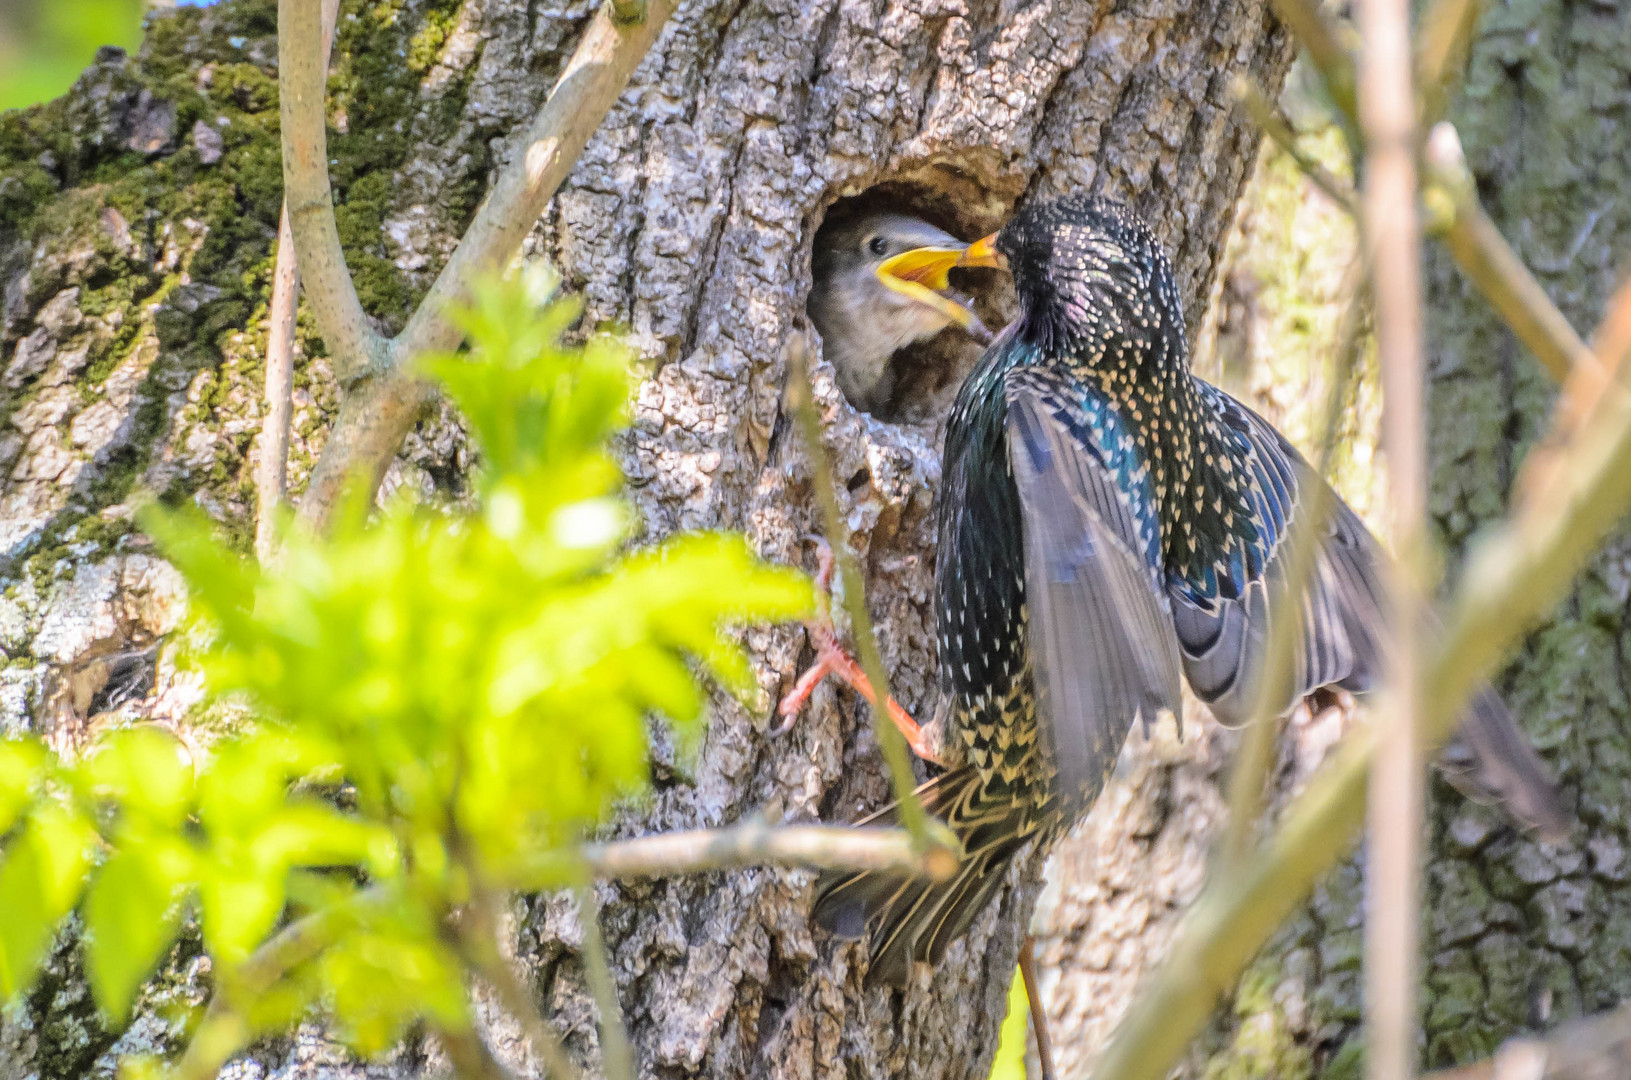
(833, 659)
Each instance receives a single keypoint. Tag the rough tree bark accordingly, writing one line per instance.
(1518, 935)
(137, 218)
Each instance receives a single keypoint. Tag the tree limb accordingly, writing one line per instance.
(354, 346)
(1486, 258)
(271, 472)
(375, 416)
(755, 842)
(1392, 235)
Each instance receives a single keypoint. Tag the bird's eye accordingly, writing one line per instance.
(878, 245)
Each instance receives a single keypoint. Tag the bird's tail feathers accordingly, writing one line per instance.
(911, 918)
(1491, 761)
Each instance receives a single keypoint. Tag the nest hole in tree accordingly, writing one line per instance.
(921, 378)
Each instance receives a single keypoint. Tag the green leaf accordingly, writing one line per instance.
(23, 763)
(311, 834)
(145, 768)
(380, 981)
(44, 46)
(131, 915)
(241, 905)
(40, 880)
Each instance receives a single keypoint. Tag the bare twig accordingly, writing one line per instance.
(1335, 66)
(1586, 388)
(1039, 1013)
(616, 1055)
(585, 92)
(271, 474)
(755, 842)
(476, 939)
(1267, 117)
(1255, 757)
(1513, 576)
(1484, 256)
(224, 1031)
(353, 344)
(375, 416)
(801, 397)
(471, 1058)
(1591, 1049)
(1387, 116)
(1446, 34)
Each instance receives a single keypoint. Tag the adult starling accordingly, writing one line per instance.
(865, 317)
(1107, 521)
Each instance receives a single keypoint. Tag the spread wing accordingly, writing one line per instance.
(1100, 628)
(1223, 641)
(1341, 617)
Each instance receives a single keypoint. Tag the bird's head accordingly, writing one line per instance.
(898, 261)
(1086, 270)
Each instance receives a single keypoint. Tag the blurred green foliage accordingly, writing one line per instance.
(45, 44)
(1012, 1040)
(445, 703)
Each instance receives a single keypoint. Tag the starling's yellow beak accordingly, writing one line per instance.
(983, 252)
(920, 273)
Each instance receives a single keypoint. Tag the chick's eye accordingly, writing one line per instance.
(878, 245)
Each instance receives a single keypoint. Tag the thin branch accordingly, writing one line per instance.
(472, 1060)
(1266, 116)
(354, 346)
(477, 941)
(1255, 757)
(1512, 578)
(1589, 1049)
(1585, 389)
(376, 416)
(1335, 66)
(801, 397)
(1485, 257)
(755, 842)
(271, 473)
(224, 1031)
(587, 89)
(1446, 36)
(1387, 117)
(616, 1055)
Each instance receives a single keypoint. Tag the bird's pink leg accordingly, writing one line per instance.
(833, 659)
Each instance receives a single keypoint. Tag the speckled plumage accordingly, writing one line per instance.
(1108, 520)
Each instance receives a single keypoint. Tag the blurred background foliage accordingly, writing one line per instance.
(444, 702)
(45, 44)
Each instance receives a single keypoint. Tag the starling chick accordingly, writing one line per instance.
(865, 317)
(1108, 521)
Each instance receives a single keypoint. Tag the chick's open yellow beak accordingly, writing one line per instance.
(920, 274)
(983, 252)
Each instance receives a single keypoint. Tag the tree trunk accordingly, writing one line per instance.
(137, 219)
(1517, 935)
